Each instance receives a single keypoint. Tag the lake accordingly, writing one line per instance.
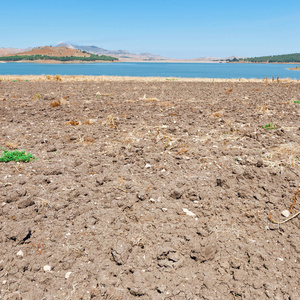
(186, 70)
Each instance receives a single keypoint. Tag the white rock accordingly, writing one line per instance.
(20, 253)
(285, 213)
(189, 213)
(152, 200)
(164, 209)
(47, 268)
(148, 166)
(4, 282)
(68, 275)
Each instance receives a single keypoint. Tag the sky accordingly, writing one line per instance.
(171, 28)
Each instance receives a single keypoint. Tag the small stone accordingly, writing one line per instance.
(20, 253)
(68, 275)
(152, 200)
(147, 166)
(285, 213)
(47, 268)
(4, 282)
(188, 212)
(164, 209)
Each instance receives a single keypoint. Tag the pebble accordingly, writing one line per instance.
(285, 213)
(68, 275)
(47, 268)
(189, 213)
(20, 253)
(148, 166)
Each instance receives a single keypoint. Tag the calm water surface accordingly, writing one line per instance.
(186, 70)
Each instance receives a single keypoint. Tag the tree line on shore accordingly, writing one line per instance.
(284, 58)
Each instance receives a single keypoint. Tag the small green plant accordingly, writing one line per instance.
(14, 80)
(297, 101)
(16, 156)
(270, 126)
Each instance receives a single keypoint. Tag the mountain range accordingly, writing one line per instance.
(122, 55)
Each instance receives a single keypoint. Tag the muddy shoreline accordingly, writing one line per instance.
(149, 188)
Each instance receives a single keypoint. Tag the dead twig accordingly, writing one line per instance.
(295, 198)
(292, 217)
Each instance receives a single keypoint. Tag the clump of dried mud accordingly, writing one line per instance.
(149, 190)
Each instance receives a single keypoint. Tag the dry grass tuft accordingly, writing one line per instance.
(263, 109)
(73, 123)
(11, 145)
(111, 121)
(216, 114)
(57, 78)
(55, 103)
(148, 99)
(89, 122)
(284, 155)
(86, 140)
(228, 91)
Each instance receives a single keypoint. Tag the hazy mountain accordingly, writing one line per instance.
(121, 54)
(7, 51)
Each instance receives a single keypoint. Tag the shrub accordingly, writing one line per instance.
(16, 156)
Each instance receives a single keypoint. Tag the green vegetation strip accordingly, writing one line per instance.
(92, 57)
(16, 156)
(284, 58)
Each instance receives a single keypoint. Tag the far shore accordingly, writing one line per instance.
(148, 61)
(295, 69)
(70, 78)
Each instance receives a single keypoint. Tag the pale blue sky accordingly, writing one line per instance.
(172, 28)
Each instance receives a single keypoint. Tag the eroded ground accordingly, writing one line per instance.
(149, 190)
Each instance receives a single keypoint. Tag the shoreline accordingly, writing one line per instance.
(70, 78)
(150, 61)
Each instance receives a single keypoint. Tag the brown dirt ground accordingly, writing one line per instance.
(149, 190)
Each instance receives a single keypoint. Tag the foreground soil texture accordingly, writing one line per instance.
(149, 189)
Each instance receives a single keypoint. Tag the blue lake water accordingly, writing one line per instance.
(186, 70)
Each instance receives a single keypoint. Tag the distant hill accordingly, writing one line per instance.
(55, 53)
(121, 54)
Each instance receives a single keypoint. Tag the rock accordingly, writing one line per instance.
(203, 254)
(259, 163)
(14, 196)
(67, 275)
(51, 149)
(18, 234)
(120, 252)
(25, 203)
(189, 213)
(147, 166)
(47, 268)
(20, 253)
(285, 213)
(176, 194)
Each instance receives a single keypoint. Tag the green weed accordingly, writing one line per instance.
(297, 101)
(16, 156)
(270, 126)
